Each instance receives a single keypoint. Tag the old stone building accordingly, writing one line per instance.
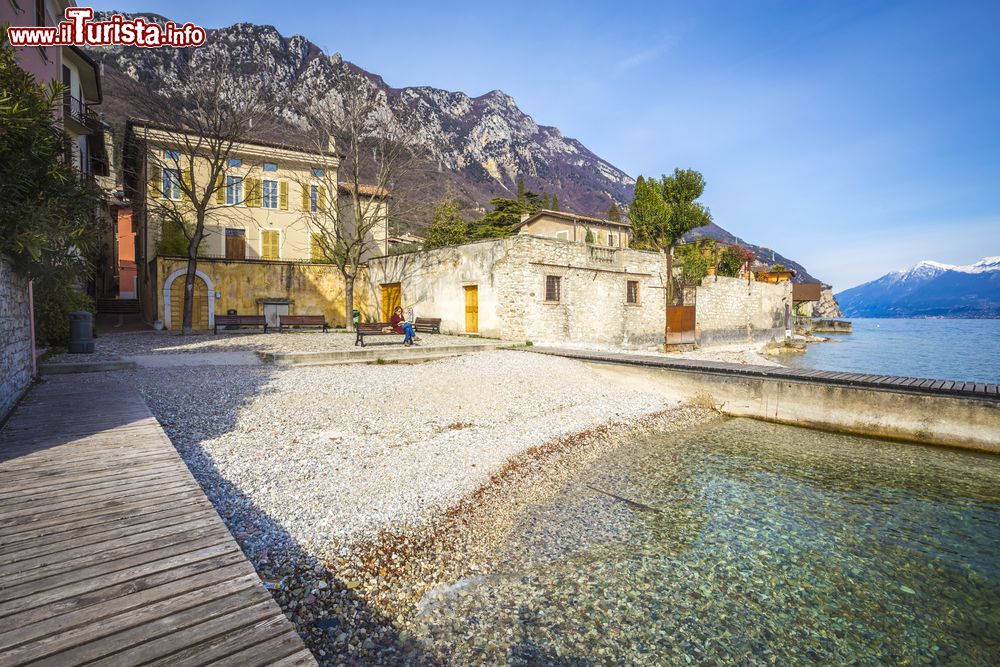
(16, 363)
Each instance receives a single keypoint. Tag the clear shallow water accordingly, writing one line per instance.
(966, 350)
(767, 544)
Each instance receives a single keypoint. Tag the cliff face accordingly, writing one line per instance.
(827, 305)
(481, 145)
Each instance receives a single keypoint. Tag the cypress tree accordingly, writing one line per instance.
(614, 213)
(520, 189)
(555, 202)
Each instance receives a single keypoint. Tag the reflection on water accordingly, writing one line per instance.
(744, 542)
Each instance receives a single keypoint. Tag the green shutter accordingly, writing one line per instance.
(220, 190)
(252, 194)
(155, 181)
(283, 195)
(305, 197)
(187, 185)
(321, 198)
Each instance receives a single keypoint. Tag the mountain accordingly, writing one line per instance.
(929, 289)
(481, 145)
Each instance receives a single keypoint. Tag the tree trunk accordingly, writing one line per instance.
(349, 300)
(187, 322)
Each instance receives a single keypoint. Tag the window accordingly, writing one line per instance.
(318, 173)
(236, 244)
(235, 163)
(270, 166)
(270, 194)
(171, 186)
(234, 190)
(313, 198)
(171, 155)
(269, 244)
(564, 235)
(552, 288)
(632, 291)
(611, 240)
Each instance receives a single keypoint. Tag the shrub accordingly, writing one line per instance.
(731, 262)
(693, 263)
(54, 301)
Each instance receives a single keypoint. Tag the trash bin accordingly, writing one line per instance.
(81, 332)
(356, 317)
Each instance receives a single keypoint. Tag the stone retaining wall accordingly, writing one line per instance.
(735, 310)
(15, 337)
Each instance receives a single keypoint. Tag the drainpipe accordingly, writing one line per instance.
(31, 325)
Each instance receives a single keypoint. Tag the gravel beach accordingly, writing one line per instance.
(356, 489)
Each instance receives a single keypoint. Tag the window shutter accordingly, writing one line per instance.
(283, 195)
(316, 249)
(305, 197)
(220, 190)
(269, 244)
(187, 185)
(155, 181)
(321, 198)
(252, 193)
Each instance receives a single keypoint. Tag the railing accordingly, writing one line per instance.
(600, 255)
(79, 111)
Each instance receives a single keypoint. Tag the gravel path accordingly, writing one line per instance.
(112, 347)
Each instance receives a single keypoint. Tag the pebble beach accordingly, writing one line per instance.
(356, 490)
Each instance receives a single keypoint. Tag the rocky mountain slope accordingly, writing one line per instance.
(484, 144)
(929, 289)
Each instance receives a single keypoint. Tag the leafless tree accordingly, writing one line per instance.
(205, 117)
(377, 187)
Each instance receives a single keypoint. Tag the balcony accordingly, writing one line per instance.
(78, 114)
(604, 256)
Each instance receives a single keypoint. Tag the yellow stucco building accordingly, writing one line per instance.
(266, 211)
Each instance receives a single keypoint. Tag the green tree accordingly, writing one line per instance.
(447, 228)
(520, 189)
(545, 201)
(614, 213)
(48, 219)
(663, 211)
(500, 222)
(555, 202)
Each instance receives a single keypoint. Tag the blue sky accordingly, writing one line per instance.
(854, 137)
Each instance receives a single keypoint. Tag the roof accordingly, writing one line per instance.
(261, 138)
(571, 217)
(364, 188)
(89, 62)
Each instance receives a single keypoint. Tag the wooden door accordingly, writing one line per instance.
(392, 297)
(236, 244)
(199, 305)
(472, 308)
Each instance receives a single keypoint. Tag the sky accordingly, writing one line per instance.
(855, 137)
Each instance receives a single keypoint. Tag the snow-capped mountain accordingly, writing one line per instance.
(480, 145)
(929, 289)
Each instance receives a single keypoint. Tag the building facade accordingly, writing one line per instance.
(578, 228)
(261, 228)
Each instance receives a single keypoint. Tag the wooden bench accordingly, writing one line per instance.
(239, 321)
(427, 325)
(302, 321)
(373, 329)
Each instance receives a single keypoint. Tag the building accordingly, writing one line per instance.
(556, 291)
(263, 251)
(574, 227)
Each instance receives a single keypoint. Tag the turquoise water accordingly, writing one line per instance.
(966, 350)
(745, 543)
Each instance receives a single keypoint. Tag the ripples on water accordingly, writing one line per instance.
(967, 350)
(749, 543)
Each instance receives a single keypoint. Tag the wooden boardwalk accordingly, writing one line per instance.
(110, 553)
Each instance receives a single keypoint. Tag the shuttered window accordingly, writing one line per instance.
(269, 243)
(631, 291)
(314, 198)
(316, 247)
(553, 288)
(270, 198)
(171, 185)
(234, 190)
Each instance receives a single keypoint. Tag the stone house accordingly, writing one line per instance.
(574, 227)
(262, 251)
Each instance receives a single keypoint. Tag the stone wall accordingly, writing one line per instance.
(510, 276)
(735, 310)
(15, 337)
(315, 289)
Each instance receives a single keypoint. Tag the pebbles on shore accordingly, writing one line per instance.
(356, 489)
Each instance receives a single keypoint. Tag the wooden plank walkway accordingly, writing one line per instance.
(110, 553)
(931, 386)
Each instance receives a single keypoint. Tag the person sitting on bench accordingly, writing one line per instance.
(400, 325)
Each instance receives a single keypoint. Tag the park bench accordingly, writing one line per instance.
(302, 321)
(239, 321)
(427, 325)
(373, 329)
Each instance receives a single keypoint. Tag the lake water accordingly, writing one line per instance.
(966, 350)
(743, 542)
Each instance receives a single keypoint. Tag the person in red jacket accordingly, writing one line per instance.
(400, 325)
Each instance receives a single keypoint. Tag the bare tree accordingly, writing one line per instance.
(377, 183)
(204, 118)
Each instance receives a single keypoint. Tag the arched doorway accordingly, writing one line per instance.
(199, 307)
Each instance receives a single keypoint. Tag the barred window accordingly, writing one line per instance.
(631, 291)
(553, 285)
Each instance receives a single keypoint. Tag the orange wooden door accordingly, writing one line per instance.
(472, 308)
(392, 297)
(199, 305)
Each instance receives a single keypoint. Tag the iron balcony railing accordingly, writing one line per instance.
(80, 111)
